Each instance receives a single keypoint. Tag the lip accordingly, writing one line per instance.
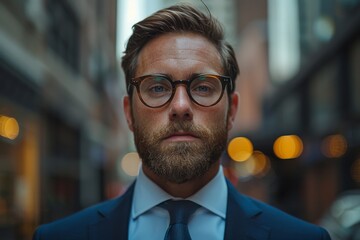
(181, 137)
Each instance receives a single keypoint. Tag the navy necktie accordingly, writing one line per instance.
(180, 212)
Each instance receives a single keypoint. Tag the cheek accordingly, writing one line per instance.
(146, 118)
(217, 118)
(222, 111)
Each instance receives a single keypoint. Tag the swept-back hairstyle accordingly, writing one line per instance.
(178, 18)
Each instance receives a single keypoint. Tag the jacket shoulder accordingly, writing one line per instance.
(80, 225)
(75, 225)
(285, 226)
(272, 222)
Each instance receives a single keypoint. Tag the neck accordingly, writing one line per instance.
(186, 189)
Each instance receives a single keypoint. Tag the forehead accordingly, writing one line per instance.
(179, 51)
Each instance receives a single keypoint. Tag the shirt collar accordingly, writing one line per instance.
(213, 196)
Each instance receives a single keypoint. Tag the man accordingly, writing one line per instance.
(181, 104)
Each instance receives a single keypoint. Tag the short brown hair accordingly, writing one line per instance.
(178, 18)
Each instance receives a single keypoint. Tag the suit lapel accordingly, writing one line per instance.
(241, 215)
(241, 218)
(114, 219)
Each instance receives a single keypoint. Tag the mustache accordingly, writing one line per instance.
(181, 126)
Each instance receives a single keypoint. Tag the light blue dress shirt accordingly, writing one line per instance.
(148, 221)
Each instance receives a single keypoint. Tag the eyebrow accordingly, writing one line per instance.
(171, 77)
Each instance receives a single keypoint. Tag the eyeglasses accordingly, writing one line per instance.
(203, 89)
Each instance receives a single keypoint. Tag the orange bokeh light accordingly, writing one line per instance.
(288, 147)
(240, 149)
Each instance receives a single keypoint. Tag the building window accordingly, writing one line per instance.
(63, 32)
(324, 109)
(291, 114)
(355, 77)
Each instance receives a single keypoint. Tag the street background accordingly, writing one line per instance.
(64, 143)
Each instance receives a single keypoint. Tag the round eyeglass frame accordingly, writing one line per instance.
(225, 81)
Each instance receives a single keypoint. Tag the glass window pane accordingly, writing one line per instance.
(324, 99)
(355, 77)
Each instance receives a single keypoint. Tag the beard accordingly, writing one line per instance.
(179, 162)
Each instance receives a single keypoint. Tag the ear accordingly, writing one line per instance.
(127, 111)
(233, 107)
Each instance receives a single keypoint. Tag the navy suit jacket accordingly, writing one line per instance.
(246, 218)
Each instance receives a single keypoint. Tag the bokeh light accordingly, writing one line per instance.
(9, 127)
(288, 147)
(257, 165)
(130, 164)
(260, 164)
(334, 146)
(240, 149)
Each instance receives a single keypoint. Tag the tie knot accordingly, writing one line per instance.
(179, 211)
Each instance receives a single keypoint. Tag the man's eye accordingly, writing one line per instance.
(157, 89)
(202, 88)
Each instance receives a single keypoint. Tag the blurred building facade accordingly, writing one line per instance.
(318, 102)
(60, 110)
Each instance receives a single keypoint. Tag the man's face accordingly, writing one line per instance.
(180, 141)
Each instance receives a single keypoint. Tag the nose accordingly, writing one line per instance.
(181, 105)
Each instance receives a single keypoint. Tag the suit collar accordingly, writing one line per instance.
(241, 218)
(113, 219)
